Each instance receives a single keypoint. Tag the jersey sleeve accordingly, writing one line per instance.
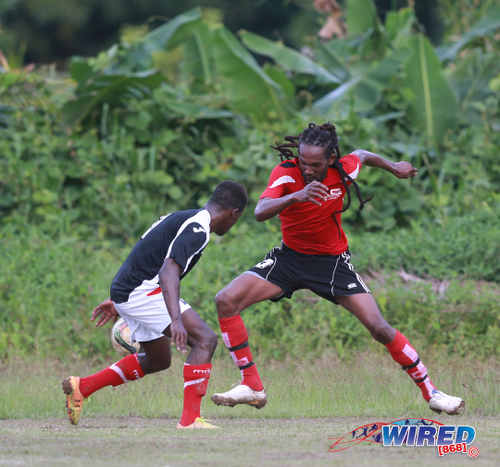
(280, 183)
(191, 240)
(352, 165)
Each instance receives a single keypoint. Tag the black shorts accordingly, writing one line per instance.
(326, 275)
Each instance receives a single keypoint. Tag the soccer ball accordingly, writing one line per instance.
(120, 338)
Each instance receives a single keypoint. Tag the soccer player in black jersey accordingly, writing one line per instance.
(146, 293)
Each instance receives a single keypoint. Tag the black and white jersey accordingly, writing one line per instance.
(182, 236)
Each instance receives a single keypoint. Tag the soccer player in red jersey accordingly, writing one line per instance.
(145, 292)
(307, 192)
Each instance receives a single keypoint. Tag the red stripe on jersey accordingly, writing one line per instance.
(155, 292)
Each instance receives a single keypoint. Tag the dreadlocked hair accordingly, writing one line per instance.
(324, 136)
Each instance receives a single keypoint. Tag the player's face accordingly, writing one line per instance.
(313, 162)
(227, 222)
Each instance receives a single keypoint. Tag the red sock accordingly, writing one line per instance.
(403, 353)
(125, 370)
(235, 337)
(195, 387)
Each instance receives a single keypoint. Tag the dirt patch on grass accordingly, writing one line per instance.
(124, 441)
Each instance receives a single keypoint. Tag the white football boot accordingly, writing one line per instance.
(441, 402)
(241, 394)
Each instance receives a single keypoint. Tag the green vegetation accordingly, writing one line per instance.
(39, 31)
(49, 286)
(90, 158)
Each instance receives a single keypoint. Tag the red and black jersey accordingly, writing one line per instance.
(307, 227)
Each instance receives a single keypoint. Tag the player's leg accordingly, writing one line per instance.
(244, 291)
(364, 307)
(336, 280)
(77, 389)
(147, 318)
(197, 369)
(201, 339)
(155, 355)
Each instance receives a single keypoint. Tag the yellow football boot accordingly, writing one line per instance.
(74, 398)
(199, 423)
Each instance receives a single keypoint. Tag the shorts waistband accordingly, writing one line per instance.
(307, 255)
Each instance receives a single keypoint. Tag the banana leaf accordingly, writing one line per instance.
(470, 79)
(361, 17)
(287, 58)
(433, 106)
(363, 88)
(197, 58)
(247, 88)
(96, 88)
(398, 26)
(170, 35)
(489, 23)
(328, 56)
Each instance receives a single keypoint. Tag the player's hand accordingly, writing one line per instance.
(404, 169)
(179, 335)
(312, 191)
(104, 312)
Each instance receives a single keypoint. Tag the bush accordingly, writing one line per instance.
(50, 284)
(48, 287)
(465, 246)
(145, 142)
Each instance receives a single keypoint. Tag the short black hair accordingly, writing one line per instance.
(229, 195)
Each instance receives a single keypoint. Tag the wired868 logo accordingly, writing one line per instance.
(421, 432)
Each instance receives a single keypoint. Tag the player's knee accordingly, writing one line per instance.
(164, 363)
(213, 341)
(161, 362)
(157, 363)
(208, 341)
(225, 304)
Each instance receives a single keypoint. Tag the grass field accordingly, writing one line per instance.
(308, 404)
(133, 441)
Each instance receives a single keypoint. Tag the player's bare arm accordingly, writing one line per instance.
(169, 278)
(269, 207)
(400, 169)
(104, 312)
